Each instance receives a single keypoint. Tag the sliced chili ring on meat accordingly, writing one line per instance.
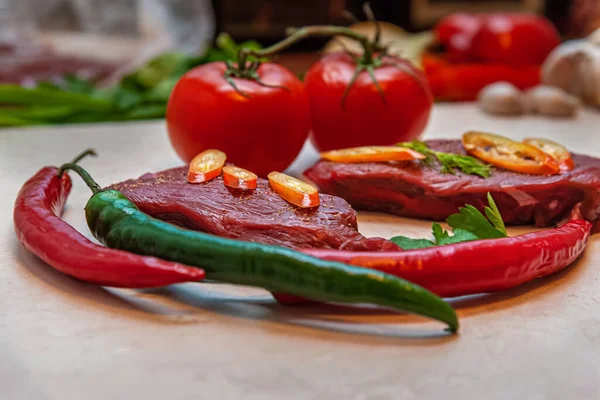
(206, 166)
(372, 154)
(294, 190)
(239, 178)
(508, 154)
(555, 150)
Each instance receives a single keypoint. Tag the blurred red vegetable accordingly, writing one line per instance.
(514, 39)
(511, 39)
(462, 81)
(456, 32)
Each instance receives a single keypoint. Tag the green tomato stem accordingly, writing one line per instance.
(297, 34)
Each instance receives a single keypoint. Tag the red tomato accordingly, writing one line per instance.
(515, 39)
(456, 33)
(262, 133)
(365, 118)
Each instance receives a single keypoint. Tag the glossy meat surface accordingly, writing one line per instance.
(258, 216)
(414, 190)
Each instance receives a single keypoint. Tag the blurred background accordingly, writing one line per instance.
(139, 48)
(120, 34)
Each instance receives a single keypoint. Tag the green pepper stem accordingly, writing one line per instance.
(88, 152)
(94, 187)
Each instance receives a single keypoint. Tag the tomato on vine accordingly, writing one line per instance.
(383, 104)
(258, 115)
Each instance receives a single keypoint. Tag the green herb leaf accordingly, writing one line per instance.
(162, 91)
(439, 233)
(422, 148)
(466, 164)
(471, 220)
(146, 111)
(467, 225)
(417, 146)
(74, 84)
(17, 95)
(154, 71)
(407, 243)
(47, 85)
(459, 235)
(9, 120)
(37, 113)
(126, 99)
(226, 44)
(142, 94)
(493, 214)
(450, 162)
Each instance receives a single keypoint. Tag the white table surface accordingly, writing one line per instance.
(62, 339)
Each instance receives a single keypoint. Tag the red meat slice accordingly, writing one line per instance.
(414, 190)
(258, 216)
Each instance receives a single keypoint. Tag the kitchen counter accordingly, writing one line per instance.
(63, 339)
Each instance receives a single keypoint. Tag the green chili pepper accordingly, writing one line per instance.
(115, 221)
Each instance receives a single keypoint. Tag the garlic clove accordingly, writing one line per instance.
(574, 66)
(561, 66)
(594, 37)
(553, 101)
(501, 98)
(589, 67)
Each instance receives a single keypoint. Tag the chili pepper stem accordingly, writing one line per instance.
(85, 153)
(94, 187)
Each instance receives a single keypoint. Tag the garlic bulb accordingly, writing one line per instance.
(574, 66)
(501, 98)
(549, 100)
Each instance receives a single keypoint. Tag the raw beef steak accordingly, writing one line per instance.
(414, 190)
(259, 215)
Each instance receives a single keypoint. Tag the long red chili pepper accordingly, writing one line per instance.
(39, 227)
(481, 266)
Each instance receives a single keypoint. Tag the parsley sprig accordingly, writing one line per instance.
(450, 162)
(468, 224)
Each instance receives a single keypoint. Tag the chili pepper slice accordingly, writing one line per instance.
(206, 166)
(555, 150)
(118, 223)
(40, 229)
(508, 154)
(481, 266)
(239, 178)
(372, 154)
(294, 190)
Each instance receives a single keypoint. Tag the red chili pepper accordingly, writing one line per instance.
(481, 266)
(463, 81)
(41, 230)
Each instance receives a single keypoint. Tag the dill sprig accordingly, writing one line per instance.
(450, 162)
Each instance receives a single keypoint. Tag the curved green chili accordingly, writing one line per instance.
(115, 221)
